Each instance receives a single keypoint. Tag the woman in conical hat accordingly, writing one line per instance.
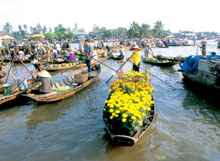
(136, 56)
(45, 78)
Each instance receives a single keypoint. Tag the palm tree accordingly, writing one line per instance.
(7, 28)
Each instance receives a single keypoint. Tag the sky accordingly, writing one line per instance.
(176, 15)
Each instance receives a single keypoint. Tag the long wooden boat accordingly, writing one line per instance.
(177, 58)
(132, 139)
(17, 92)
(65, 66)
(18, 61)
(166, 63)
(57, 96)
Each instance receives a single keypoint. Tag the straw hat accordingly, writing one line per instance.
(136, 47)
(44, 74)
(35, 61)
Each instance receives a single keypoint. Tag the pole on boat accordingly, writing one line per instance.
(117, 71)
(10, 70)
(156, 77)
(28, 71)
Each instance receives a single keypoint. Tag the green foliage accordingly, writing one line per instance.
(158, 30)
(7, 28)
(49, 36)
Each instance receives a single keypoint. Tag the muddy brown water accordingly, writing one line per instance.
(187, 126)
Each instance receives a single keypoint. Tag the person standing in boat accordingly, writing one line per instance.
(88, 54)
(121, 49)
(203, 47)
(136, 56)
(147, 51)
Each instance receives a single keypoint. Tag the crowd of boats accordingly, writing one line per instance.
(202, 70)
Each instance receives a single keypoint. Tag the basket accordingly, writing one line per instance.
(81, 77)
(22, 85)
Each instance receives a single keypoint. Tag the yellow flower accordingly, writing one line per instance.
(124, 120)
(124, 115)
(133, 117)
(140, 122)
(111, 110)
(117, 111)
(111, 117)
(143, 114)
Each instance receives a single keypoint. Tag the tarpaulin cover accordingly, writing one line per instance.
(190, 64)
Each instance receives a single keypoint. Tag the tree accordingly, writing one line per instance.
(49, 36)
(158, 30)
(8, 28)
(134, 30)
(75, 29)
(44, 30)
(21, 32)
(106, 34)
(39, 28)
(50, 29)
(122, 32)
(145, 31)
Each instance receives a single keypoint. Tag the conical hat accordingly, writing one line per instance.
(44, 74)
(136, 47)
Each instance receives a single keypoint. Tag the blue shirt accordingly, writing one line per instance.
(87, 49)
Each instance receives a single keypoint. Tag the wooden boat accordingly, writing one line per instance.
(208, 77)
(57, 96)
(18, 61)
(132, 139)
(119, 57)
(178, 58)
(163, 62)
(17, 92)
(65, 66)
(160, 46)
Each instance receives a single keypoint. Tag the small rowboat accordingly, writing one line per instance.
(161, 62)
(17, 92)
(119, 57)
(65, 66)
(57, 96)
(160, 46)
(132, 139)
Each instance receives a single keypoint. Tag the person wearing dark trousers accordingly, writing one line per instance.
(136, 56)
(88, 54)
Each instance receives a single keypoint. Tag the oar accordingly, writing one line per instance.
(156, 77)
(28, 71)
(10, 70)
(104, 64)
(117, 71)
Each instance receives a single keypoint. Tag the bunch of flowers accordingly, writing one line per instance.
(129, 104)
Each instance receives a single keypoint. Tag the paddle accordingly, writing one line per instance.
(104, 64)
(156, 77)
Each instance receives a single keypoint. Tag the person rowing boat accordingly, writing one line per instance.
(136, 56)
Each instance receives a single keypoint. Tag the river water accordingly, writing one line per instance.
(187, 126)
